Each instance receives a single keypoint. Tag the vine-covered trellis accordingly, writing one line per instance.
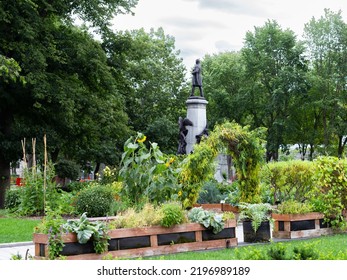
(245, 146)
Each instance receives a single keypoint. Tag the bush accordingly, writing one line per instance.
(97, 200)
(12, 199)
(289, 180)
(210, 193)
(294, 207)
(172, 214)
(67, 169)
(330, 193)
(130, 218)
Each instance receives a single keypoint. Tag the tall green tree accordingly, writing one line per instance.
(223, 75)
(276, 70)
(326, 40)
(67, 78)
(151, 74)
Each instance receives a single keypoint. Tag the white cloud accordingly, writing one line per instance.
(203, 27)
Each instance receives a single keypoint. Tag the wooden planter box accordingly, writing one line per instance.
(149, 241)
(263, 233)
(290, 226)
(219, 207)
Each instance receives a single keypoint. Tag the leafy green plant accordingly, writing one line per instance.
(97, 200)
(132, 218)
(12, 199)
(147, 172)
(294, 207)
(86, 230)
(330, 193)
(210, 193)
(67, 169)
(208, 219)
(305, 252)
(52, 224)
(172, 214)
(256, 213)
(278, 252)
(290, 180)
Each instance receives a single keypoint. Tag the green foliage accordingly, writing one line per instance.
(277, 252)
(256, 213)
(97, 200)
(305, 252)
(172, 214)
(210, 193)
(67, 169)
(294, 207)
(147, 172)
(289, 180)
(330, 193)
(86, 230)
(52, 224)
(34, 196)
(132, 218)
(246, 148)
(208, 219)
(12, 199)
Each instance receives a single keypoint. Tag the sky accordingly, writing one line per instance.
(203, 27)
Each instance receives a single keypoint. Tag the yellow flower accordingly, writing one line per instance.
(179, 193)
(143, 139)
(171, 160)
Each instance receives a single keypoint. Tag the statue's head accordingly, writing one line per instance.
(197, 61)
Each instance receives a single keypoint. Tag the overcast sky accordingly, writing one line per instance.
(203, 27)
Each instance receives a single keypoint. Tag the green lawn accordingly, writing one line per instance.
(322, 248)
(17, 229)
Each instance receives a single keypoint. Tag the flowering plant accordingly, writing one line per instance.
(147, 172)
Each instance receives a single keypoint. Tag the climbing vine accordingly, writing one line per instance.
(246, 148)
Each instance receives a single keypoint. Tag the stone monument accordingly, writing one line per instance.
(196, 112)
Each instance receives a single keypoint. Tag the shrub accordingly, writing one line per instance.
(210, 193)
(290, 180)
(67, 169)
(330, 193)
(12, 199)
(172, 214)
(96, 200)
(294, 207)
(130, 218)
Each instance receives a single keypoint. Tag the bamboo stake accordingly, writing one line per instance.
(33, 141)
(44, 173)
(24, 156)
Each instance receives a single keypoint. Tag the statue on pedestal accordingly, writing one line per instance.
(197, 79)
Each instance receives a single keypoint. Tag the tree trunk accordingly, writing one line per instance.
(5, 179)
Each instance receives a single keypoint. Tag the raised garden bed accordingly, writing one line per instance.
(149, 241)
(289, 226)
(218, 207)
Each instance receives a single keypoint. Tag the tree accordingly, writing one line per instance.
(152, 77)
(66, 83)
(326, 39)
(276, 67)
(223, 86)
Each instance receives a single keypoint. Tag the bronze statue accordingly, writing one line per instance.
(197, 79)
(182, 144)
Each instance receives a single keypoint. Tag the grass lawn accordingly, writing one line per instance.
(17, 229)
(323, 248)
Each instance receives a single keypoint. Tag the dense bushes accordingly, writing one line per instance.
(288, 180)
(97, 200)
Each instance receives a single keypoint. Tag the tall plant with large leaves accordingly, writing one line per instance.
(147, 173)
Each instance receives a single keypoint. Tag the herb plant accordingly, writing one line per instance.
(208, 219)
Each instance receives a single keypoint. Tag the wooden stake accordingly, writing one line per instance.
(33, 141)
(44, 173)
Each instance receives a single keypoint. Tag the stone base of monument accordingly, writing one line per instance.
(196, 113)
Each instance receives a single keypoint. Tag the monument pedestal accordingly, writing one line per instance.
(196, 112)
